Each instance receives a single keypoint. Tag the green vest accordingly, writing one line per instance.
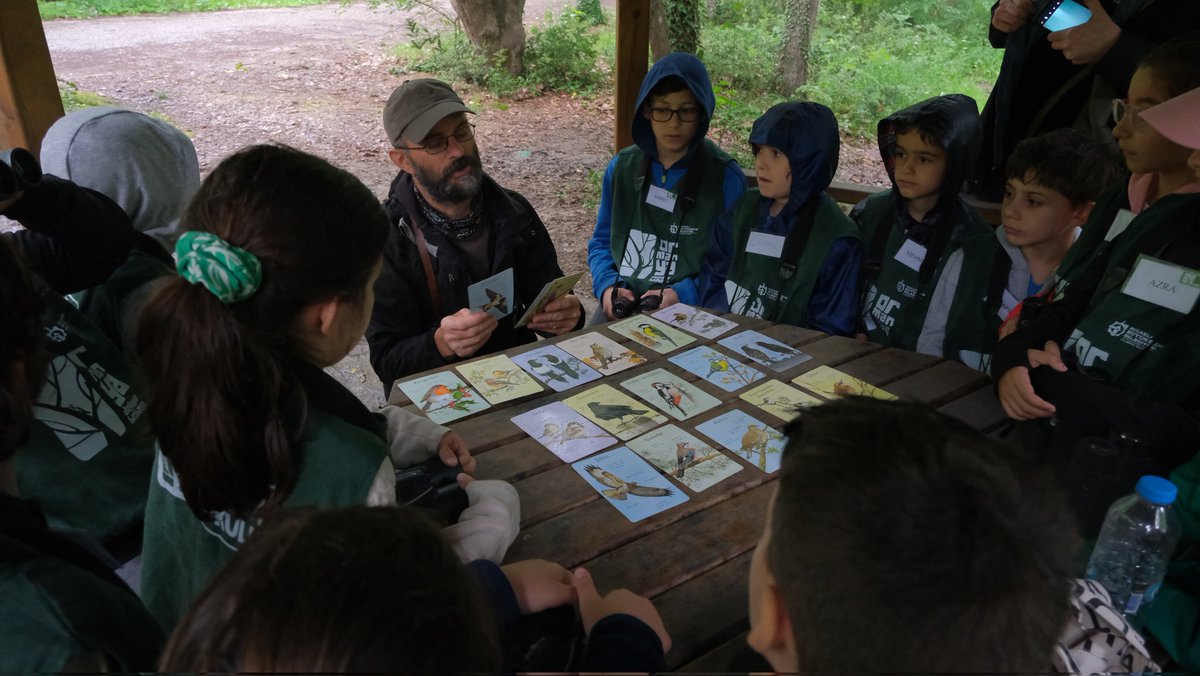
(180, 553)
(653, 247)
(90, 451)
(756, 288)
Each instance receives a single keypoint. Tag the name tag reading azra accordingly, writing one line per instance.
(1164, 284)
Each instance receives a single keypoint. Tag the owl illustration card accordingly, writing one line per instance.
(671, 393)
(779, 399)
(832, 383)
(717, 368)
(766, 351)
(651, 333)
(601, 353)
(443, 396)
(692, 320)
(635, 488)
(614, 412)
(493, 295)
(556, 368)
(757, 442)
(563, 431)
(683, 457)
(498, 379)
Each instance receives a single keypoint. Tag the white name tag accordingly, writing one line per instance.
(1122, 221)
(1008, 303)
(1171, 286)
(765, 244)
(912, 255)
(662, 198)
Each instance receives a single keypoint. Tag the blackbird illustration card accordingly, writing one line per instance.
(651, 333)
(443, 396)
(717, 368)
(556, 368)
(757, 442)
(563, 431)
(699, 322)
(629, 484)
(766, 351)
(601, 353)
(832, 383)
(616, 413)
(670, 393)
(493, 295)
(690, 461)
(779, 399)
(554, 289)
(498, 379)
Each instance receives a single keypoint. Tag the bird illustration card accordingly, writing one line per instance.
(672, 394)
(554, 289)
(651, 333)
(832, 383)
(556, 368)
(563, 431)
(779, 399)
(616, 413)
(766, 351)
(493, 295)
(690, 461)
(443, 396)
(699, 322)
(603, 354)
(498, 379)
(635, 488)
(757, 442)
(717, 368)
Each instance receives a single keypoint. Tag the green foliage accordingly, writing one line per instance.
(561, 56)
(84, 9)
(591, 11)
(74, 98)
(683, 24)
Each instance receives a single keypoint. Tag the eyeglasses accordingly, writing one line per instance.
(1120, 109)
(436, 144)
(665, 114)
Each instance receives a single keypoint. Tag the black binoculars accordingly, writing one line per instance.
(623, 307)
(433, 487)
(19, 170)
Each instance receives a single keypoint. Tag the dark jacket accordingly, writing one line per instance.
(401, 330)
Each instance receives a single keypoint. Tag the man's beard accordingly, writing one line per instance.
(444, 189)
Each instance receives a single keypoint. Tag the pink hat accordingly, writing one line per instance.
(1178, 119)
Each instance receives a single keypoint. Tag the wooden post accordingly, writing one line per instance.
(29, 101)
(633, 48)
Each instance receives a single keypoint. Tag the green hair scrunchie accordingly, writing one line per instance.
(229, 273)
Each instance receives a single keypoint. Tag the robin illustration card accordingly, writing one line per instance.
(692, 320)
(616, 413)
(717, 368)
(671, 393)
(556, 368)
(563, 431)
(635, 488)
(779, 399)
(766, 351)
(832, 383)
(493, 295)
(554, 289)
(757, 442)
(603, 354)
(443, 396)
(682, 456)
(498, 379)
(651, 333)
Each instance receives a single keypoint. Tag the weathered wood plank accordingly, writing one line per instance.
(979, 409)
(940, 384)
(29, 100)
(887, 365)
(633, 48)
(722, 659)
(707, 611)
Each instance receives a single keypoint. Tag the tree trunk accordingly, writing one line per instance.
(494, 25)
(683, 22)
(660, 40)
(801, 22)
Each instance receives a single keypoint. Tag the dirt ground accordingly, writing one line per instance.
(317, 78)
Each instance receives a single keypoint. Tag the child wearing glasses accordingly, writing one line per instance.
(661, 195)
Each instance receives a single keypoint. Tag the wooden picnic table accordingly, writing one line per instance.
(692, 560)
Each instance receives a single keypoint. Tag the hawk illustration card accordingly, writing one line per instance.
(779, 399)
(757, 442)
(671, 393)
(766, 351)
(498, 379)
(690, 461)
(832, 383)
(554, 289)
(556, 368)
(699, 322)
(651, 333)
(717, 368)
(563, 431)
(616, 413)
(629, 484)
(493, 295)
(443, 396)
(603, 354)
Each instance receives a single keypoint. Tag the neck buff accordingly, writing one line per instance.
(455, 228)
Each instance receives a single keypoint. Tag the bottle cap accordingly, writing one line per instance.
(1157, 490)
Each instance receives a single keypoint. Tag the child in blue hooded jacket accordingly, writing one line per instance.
(785, 252)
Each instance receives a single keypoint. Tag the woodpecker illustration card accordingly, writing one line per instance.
(614, 412)
(443, 396)
(779, 399)
(651, 333)
(635, 488)
(554, 289)
(601, 353)
(766, 351)
(690, 461)
(757, 442)
(717, 368)
(832, 384)
(498, 379)
(692, 320)
(556, 368)
(670, 393)
(493, 295)
(563, 431)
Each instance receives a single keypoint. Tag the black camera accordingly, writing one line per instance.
(19, 170)
(433, 487)
(623, 307)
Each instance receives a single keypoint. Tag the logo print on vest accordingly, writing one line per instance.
(1118, 328)
(85, 406)
(649, 258)
(1085, 352)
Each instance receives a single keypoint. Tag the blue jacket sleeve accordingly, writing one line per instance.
(497, 590)
(689, 289)
(622, 643)
(600, 260)
(833, 306)
(715, 270)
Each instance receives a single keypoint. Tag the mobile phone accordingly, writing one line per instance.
(1059, 15)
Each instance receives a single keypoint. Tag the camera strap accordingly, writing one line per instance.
(797, 239)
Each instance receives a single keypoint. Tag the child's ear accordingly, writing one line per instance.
(771, 629)
(1081, 214)
(646, 111)
(320, 317)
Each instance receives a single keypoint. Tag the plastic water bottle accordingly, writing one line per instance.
(1136, 541)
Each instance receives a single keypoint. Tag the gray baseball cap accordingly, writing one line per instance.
(417, 106)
